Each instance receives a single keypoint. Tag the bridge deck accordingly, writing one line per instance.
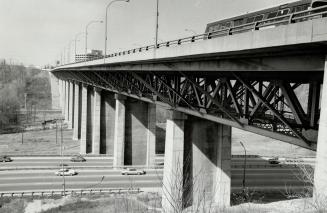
(297, 38)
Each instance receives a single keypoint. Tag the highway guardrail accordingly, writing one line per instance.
(76, 192)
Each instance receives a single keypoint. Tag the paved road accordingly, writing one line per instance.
(37, 173)
(102, 162)
(256, 178)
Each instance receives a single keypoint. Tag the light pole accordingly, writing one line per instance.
(106, 28)
(243, 183)
(76, 36)
(157, 24)
(91, 22)
(190, 30)
(62, 163)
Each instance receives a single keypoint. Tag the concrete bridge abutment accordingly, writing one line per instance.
(197, 164)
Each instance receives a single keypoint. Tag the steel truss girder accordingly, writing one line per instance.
(269, 105)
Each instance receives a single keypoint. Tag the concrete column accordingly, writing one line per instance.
(197, 164)
(60, 94)
(108, 103)
(211, 163)
(83, 120)
(172, 190)
(66, 101)
(63, 97)
(90, 115)
(55, 91)
(140, 118)
(151, 140)
(96, 121)
(71, 105)
(77, 112)
(119, 135)
(320, 176)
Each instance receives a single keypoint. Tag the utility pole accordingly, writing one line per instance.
(56, 131)
(243, 182)
(22, 134)
(25, 95)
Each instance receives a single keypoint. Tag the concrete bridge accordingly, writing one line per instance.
(266, 80)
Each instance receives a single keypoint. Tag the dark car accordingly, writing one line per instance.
(5, 158)
(274, 160)
(61, 165)
(77, 158)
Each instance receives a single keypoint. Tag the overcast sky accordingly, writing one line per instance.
(37, 31)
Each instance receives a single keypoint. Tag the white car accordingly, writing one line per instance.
(65, 172)
(132, 171)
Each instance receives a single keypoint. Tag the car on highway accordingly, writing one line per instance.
(77, 158)
(132, 171)
(274, 160)
(63, 165)
(65, 172)
(5, 158)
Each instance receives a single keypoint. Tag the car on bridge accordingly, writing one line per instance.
(5, 158)
(65, 172)
(78, 158)
(132, 171)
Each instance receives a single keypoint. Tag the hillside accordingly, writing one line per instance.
(15, 82)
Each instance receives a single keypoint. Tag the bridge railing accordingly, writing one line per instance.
(262, 24)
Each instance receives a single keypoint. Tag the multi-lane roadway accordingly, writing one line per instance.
(37, 173)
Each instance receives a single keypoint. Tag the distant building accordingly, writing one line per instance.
(95, 54)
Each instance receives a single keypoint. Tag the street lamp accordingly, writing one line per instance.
(106, 28)
(76, 36)
(190, 30)
(91, 22)
(243, 183)
(157, 24)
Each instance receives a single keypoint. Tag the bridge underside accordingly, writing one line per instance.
(275, 95)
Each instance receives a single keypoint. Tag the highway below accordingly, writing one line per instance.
(37, 173)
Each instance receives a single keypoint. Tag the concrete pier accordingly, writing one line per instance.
(77, 112)
(151, 133)
(62, 96)
(90, 115)
(107, 118)
(197, 164)
(66, 100)
(172, 190)
(71, 105)
(211, 163)
(96, 121)
(140, 122)
(119, 133)
(320, 176)
(84, 121)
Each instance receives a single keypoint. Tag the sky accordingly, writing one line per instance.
(38, 32)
